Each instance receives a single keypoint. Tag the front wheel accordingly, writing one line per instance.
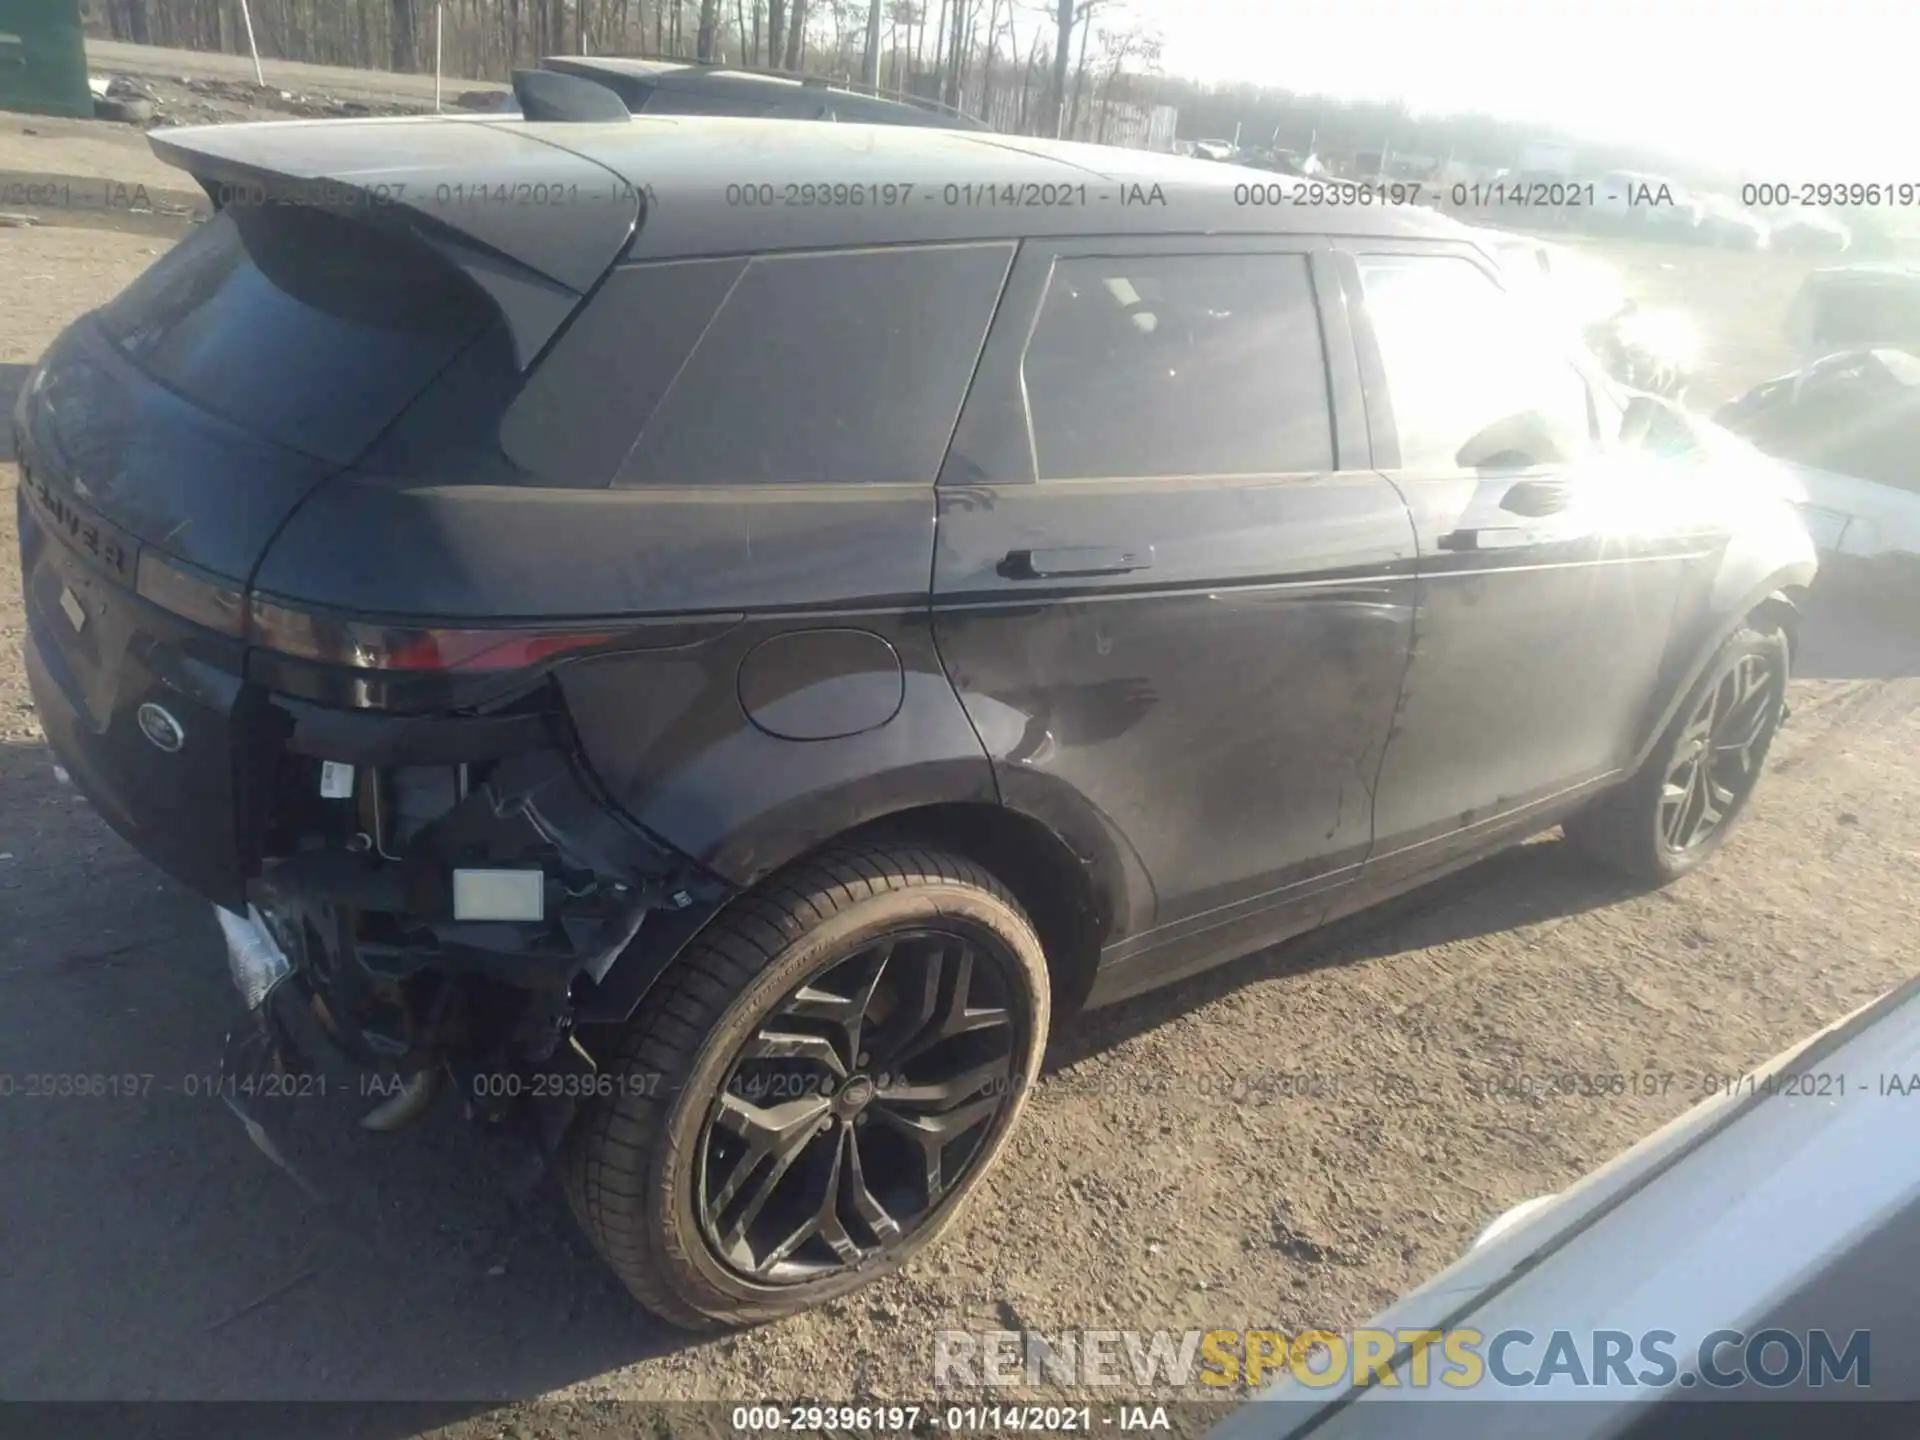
(814, 1089)
(1678, 809)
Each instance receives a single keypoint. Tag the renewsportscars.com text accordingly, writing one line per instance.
(1459, 1359)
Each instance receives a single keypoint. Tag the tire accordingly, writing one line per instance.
(640, 1163)
(1628, 829)
(126, 111)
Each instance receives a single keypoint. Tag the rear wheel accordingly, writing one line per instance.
(814, 1089)
(1676, 812)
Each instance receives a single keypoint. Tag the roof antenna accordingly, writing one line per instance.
(549, 95)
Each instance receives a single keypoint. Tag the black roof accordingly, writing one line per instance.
(721, 184)
(642, 83)
(945, 185)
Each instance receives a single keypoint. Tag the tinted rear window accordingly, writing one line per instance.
(308, 329)
(831, 368)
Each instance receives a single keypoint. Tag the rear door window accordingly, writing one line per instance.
(847, 367)
(1172, 365)
(305, 328)
(1473, 377)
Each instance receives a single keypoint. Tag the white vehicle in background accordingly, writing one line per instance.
(1811, 232)
(1786, 1204)
(1849, 427)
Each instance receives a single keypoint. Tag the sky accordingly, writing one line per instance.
(1792, 90)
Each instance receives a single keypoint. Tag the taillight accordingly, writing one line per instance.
(191, 594)
(371, 646)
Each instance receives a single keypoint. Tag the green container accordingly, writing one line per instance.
(43, 58)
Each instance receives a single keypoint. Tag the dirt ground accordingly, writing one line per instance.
(1164, 1176)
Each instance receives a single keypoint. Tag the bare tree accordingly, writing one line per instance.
(796, 34)
(1025, 122)
(404, 51)
(985, 105)
(776, 31)
(1080, 68)
(709, 24)
(956, 54)
(870, 65)
(1063, 21)
(1142, 43)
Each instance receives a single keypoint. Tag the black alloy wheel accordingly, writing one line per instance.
(814, 1087)
(1717, 761)
(858, 1105)
(1680, 805)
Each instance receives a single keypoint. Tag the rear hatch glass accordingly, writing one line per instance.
(305, 328)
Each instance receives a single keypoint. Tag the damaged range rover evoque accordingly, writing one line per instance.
(725, 677)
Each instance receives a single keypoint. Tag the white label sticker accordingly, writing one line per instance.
(499, 895)
(76, 612)
(336, 780)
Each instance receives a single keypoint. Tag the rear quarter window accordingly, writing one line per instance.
(847, 367)
(305, 328)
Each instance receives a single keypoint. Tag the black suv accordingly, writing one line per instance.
(723, 633)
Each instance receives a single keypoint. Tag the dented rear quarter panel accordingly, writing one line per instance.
(695, 744)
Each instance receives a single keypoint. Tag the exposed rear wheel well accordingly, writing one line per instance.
(1784, 608)
(1045, 876)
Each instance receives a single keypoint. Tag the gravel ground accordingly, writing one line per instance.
(1169, 1172)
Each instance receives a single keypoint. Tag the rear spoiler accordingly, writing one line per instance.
(534, 225)
(553, 95)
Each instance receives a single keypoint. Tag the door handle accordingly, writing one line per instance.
(1077, 560)
(1537, 497)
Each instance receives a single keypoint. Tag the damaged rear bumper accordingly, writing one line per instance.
(436, 917)
(436, 903)
(366, 973)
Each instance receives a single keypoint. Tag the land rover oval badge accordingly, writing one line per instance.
(160, 727)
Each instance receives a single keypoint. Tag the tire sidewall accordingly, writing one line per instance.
(694, 1272)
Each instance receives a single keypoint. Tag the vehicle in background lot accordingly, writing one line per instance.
(1551, 201)
(1855, 307)
(1681, 219)
(1810, 232)
(723, 681)
(1653, 350)
(689, 87)
(1635, 202)
(1224, 150)
(1728, 224)
(1286, 162)
(1850, 423)
(1780, 1205)
(1850, 519)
